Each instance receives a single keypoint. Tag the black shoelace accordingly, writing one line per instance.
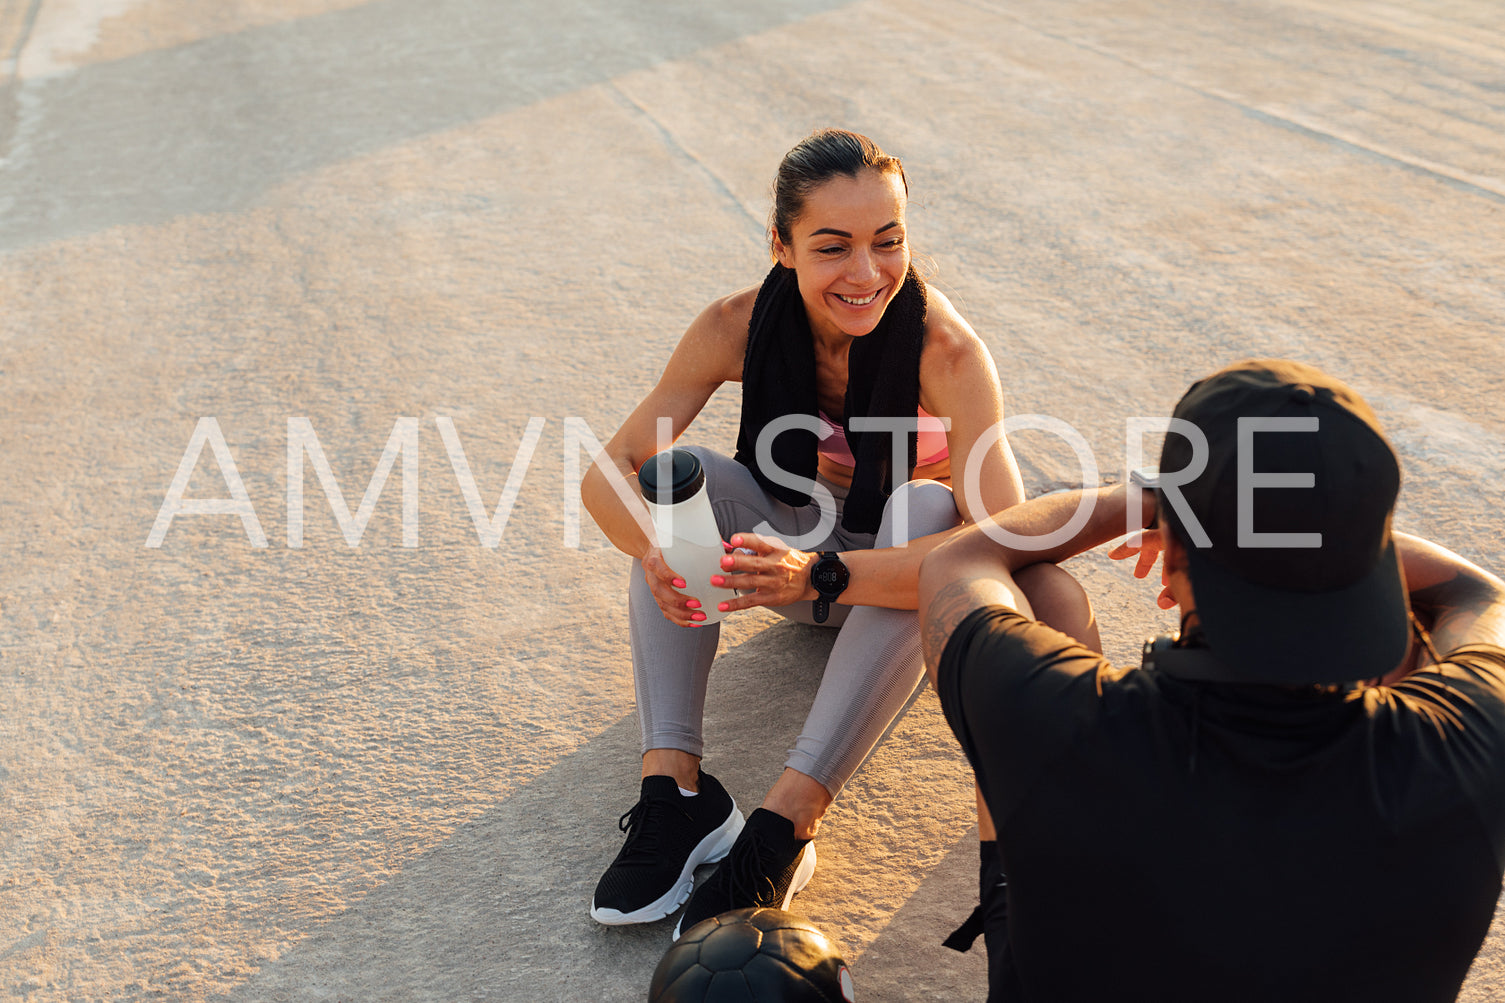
(744, 876)
(643, 823)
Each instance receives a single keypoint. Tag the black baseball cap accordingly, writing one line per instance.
(1287, 525)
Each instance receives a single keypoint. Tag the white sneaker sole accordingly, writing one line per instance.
(802, 875)
(714, 847)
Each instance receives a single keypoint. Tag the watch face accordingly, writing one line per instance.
(829, 575)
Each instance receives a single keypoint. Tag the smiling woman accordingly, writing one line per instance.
(839, 349)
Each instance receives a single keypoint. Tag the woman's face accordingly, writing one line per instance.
(849, 252)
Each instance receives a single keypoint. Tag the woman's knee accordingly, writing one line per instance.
(915, 509)
(712, 462)
(1059, 601)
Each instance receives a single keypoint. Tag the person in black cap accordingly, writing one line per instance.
(1302, 796)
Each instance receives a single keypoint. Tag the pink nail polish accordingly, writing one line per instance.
(693, 603)
(718, 581)
(726, 562)
(697, 617)
(679, 583)
(723, 607)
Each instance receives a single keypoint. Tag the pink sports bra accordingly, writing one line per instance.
(931, 446)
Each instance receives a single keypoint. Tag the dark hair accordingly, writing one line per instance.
(815, 160)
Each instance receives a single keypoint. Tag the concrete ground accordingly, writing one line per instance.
(379, 772)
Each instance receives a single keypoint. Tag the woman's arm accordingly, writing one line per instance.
(709, 354)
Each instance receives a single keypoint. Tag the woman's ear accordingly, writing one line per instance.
(781, 252)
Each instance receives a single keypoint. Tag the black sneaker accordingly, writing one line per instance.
(766, 867)
(668, 836)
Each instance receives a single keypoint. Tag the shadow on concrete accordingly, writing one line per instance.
(209, 125)
(504, 900)
(907, 962)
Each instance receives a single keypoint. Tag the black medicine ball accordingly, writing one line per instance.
(752, 956)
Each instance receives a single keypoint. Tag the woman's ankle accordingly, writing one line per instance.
(801, 799)
(676, 763)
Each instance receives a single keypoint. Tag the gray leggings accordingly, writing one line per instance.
(874, 666)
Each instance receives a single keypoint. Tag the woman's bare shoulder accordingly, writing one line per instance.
(734, 310)
(949, 340)
(717, 338)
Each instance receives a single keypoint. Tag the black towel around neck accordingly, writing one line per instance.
(778, 378)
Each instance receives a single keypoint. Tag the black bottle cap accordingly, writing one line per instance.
(671, 477)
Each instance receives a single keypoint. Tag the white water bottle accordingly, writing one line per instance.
(673, 484)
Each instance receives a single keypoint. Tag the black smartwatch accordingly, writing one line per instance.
(830, 578)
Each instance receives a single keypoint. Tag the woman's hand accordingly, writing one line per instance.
(665, 583)
(771, 575)
(1146, 543)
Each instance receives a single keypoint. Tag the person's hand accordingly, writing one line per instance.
(1146, 545)
(665, 584)
(770, 575)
